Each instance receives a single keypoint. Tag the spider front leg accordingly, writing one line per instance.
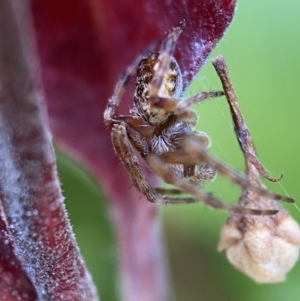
(115, 99)
(181, 106)
(124, 151)
(123, 148)
(194, 153)
(159, 167)
(165, 58)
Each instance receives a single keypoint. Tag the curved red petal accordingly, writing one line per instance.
(39, 258)
(84, 46)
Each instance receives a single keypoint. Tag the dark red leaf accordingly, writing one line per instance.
(39, 258)
(14, 284)
(84, 45)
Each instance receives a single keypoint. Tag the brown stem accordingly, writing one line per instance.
(240, 127)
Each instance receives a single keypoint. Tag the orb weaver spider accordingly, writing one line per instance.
(160, 129)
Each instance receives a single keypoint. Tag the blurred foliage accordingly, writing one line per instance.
(262, 50)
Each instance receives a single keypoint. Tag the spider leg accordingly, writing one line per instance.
(158, 166)
(124, 137)
(119, 89)
(240, 127)
(180, 106)
(186, 103)
(115, 99)
(165, 58)
(168, 191)
(145, 129)
(123, 149)
(194, 153)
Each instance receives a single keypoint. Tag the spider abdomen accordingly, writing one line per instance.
(168, 138)
(170, 87)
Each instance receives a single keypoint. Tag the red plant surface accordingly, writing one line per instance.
(83, 47)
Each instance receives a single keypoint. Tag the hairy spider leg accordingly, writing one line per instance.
(165, 56)
(194, 153)
(180, 106)
(125, 152)
(158, 166)
(129, 136)
(183, 105)
(115, 99)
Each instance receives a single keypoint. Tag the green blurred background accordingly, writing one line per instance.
(262, 49)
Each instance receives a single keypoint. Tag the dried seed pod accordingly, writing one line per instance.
(263, 247)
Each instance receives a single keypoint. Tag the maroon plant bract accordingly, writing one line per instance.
(83, 47)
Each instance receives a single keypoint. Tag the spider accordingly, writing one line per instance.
(160, 129)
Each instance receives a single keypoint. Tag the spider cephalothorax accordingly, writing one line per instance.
(160, 129)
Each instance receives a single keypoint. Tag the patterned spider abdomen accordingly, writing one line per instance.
(169, 137)
(150, 83)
